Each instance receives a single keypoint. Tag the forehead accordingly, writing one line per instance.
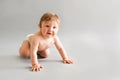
(51, 22)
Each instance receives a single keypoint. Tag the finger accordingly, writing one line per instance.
(69, 61)
(64, 61)
(41, 67)
(33, 69)
(72, 61)
(36, 69)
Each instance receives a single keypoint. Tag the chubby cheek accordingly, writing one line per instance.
(55, 32)
(43, 31)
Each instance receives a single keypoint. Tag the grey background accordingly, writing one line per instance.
(90, 33)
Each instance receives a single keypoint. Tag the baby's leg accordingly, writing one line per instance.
(44, 54)
(25, 49)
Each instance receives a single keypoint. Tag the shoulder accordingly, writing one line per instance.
(56, 38)
(33, 38)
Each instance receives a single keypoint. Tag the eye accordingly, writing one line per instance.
(54, 27)
(47, 26)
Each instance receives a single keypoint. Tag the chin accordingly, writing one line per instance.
(49, 36)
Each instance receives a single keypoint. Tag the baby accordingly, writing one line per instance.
(39, 42)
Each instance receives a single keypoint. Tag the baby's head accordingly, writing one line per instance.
(49, 24)
(49, 17)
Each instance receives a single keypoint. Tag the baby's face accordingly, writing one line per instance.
(49, 28)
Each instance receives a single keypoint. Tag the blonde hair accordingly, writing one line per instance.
(49, 16)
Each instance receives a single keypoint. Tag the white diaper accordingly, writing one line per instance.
(27, 37)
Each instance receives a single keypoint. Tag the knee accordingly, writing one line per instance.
(23, 53)
(46, 55)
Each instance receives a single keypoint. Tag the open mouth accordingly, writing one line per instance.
(49, 33)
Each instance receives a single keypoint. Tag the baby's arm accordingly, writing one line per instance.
(62, 51)
(33, 50)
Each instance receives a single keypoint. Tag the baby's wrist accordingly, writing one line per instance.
(65, 59)
(33, 64)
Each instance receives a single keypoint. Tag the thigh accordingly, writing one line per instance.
(44, 54)
(24, 49)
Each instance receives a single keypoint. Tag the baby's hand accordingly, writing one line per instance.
(36, 67)
(68, 61)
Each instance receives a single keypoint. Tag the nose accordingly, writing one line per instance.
(50, 29)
